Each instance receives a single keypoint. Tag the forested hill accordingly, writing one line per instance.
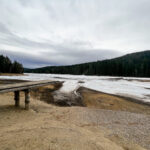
(7, 66)
(135, 64)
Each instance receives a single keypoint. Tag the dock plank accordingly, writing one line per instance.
(25, 85)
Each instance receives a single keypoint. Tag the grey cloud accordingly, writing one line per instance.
(76, 56)
(65, 58)
(3, 29)
(27, 59)
(69, 32)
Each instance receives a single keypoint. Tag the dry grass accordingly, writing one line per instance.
(12, 74)
(45, 93)
(101, 100)
(139, 80)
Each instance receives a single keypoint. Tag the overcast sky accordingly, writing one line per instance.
(62, 32)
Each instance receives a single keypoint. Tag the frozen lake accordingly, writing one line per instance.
(138, 88)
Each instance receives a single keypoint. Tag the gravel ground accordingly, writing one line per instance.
(133, 126)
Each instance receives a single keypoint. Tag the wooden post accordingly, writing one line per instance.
(27, 99)
(17, 98)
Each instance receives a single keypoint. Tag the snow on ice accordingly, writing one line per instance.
(138, 88)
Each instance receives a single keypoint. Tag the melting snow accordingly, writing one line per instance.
(126, 86)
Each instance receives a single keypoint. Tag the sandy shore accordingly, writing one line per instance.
(106, 123)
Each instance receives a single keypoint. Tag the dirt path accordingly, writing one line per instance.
(49, 127)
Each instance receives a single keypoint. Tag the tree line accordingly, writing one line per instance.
(7, 66)
(133, 65)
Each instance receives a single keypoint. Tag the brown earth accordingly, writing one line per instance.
(12, 74)
(95, 99)
(49, 127)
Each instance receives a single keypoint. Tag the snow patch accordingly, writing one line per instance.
(132, 87)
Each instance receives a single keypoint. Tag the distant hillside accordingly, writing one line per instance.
(7, 66)
(135, 64)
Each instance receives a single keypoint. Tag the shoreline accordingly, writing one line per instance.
(127, 98)
(13, 74)
(131, 99)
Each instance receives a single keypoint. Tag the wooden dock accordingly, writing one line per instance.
(25, 87)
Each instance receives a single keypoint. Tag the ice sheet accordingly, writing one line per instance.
(129, 86)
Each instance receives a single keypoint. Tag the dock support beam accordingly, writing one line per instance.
(17, 98)
(27, 99)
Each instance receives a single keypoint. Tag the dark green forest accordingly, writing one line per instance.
(133, 65)
(7, 66)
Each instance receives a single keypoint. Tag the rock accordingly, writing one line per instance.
(67, 99)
